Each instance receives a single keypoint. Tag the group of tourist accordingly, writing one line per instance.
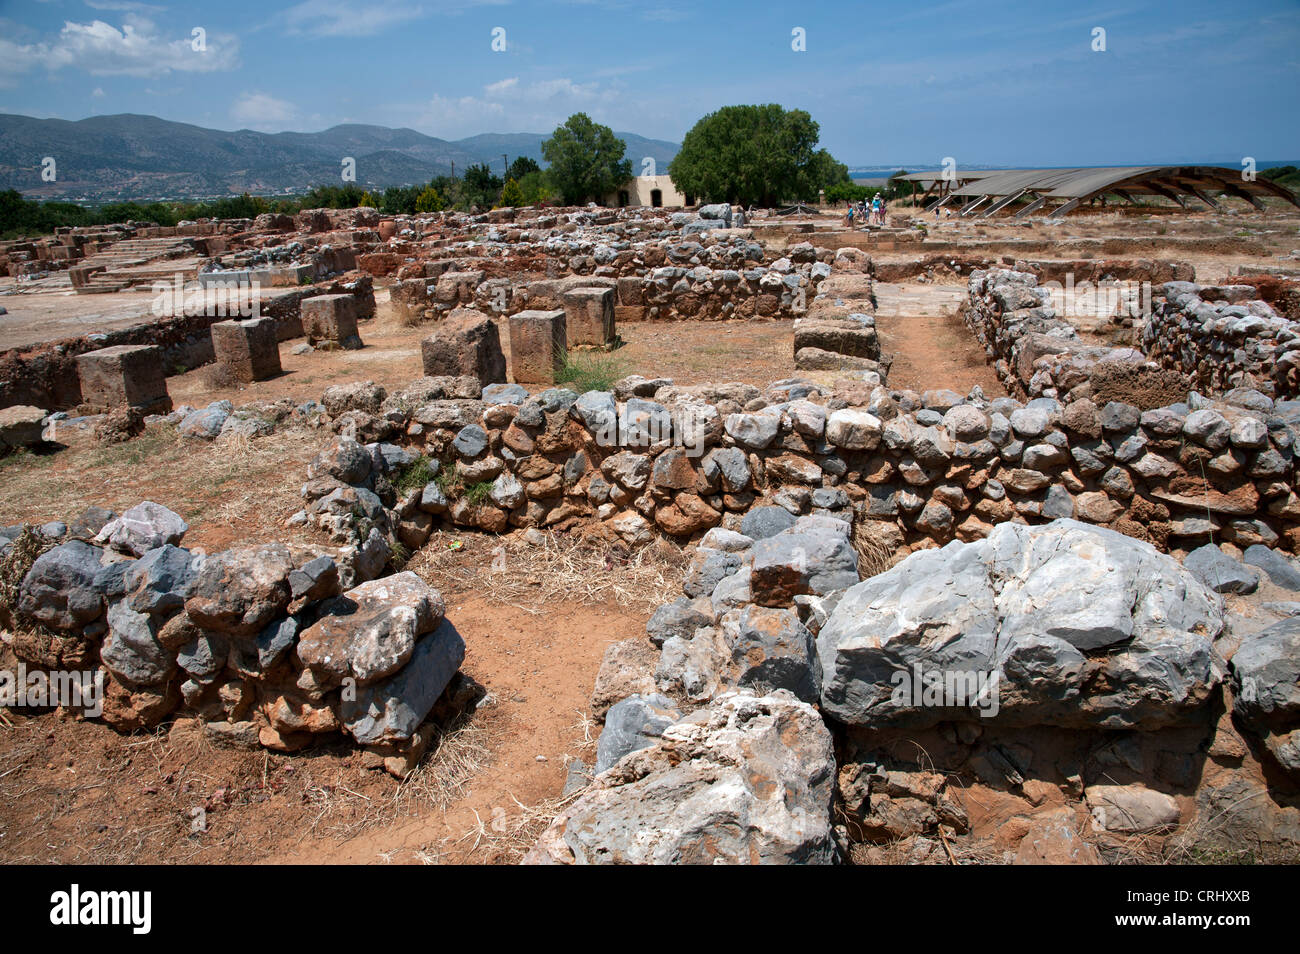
(867, 213)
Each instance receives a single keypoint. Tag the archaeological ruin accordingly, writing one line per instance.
(984, 526)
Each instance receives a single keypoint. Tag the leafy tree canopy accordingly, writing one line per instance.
(429, 200)
(521, 167)
(755, 155)
(586, 160)
(481, 187)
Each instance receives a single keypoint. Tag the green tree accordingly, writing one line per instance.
(754, 155)
(399, 200)
(481, 187)
(512, 195)
(536, 190)
(429, 200)
(521, 167)
(841, 192)
(586, 160)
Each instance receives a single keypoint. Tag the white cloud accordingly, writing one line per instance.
(364, 18)
(98, 93)
(101, 49)
(348, 17)
(512, 104)
(261, 109)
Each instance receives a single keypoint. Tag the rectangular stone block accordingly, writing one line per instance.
(250, 350)
(458, 287)
(631, 291)
(124, 375)
(589, 314)
(624, 313)
(839, 335)
(538, 346)
(330, 321)
(466, 343)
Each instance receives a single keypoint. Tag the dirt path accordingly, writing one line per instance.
(76, 792)
(931, 346)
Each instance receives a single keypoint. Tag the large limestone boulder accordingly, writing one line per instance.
(1266, 689)
(465, 343)
(371, 631)
(20, 427)
(240, 591)
(392, 709)
(813, 557)
(59, 590)
(1062, 624)
(755, 647)
(747, 780)
(631, 724)
(144, 527)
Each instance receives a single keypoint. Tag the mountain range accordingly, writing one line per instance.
(132, 157)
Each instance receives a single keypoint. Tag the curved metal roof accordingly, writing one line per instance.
(1079, 185)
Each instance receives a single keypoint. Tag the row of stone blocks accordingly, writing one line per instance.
(468, 342)
(133, 375)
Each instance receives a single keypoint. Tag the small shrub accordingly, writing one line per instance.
(399, 555)
(409, 316)
(591, 371)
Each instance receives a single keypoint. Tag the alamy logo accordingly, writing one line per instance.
(946, 689)
(1101, 300)
(214, 296)
(77, 907)
(648, 426)
(38, 689)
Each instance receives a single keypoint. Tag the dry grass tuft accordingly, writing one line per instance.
(559, 568)
(14, 564)
(876, 554)
(506, 838)
(233, 479)
(460, 753)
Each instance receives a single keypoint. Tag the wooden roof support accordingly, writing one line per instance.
(1032, 207)
(1173, 196)
(938, 204)
(1240, 193)
(1001, 204)
(1202, 196)
(1068, 207)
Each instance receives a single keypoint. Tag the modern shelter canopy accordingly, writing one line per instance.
(1069, 188)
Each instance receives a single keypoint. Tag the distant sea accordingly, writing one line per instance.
(884, 172)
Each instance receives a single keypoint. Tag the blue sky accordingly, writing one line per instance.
(982, 81)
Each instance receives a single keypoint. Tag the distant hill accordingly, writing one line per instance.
(133, 157)
(530, 145)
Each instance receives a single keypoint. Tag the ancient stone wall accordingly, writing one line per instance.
(1224, 337)
(270, 644)
(910, 469)
(45, 375)
(668, 282)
